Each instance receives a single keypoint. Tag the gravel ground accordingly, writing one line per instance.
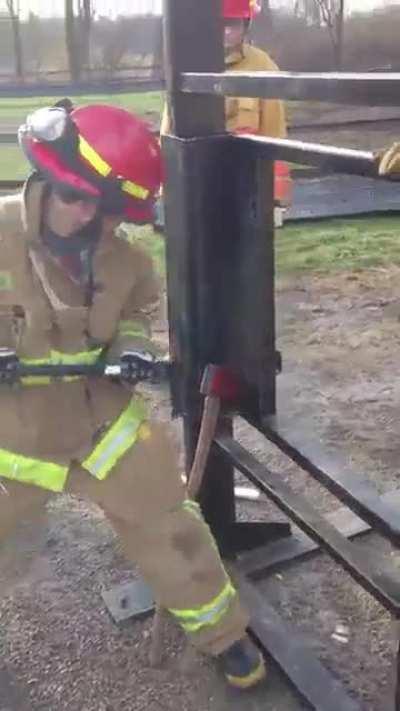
(59, 649)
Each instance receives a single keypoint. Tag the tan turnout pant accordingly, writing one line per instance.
(144, 499)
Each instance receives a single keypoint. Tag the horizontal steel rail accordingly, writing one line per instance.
(8, 138)
(332, 158)
(11, 185)
(380, 580)
(351, 89)
(335, 475)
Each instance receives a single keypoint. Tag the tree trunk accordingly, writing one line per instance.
(16, 29)
(339, 36)
(72, 45)
(267, 10)
(85, 17)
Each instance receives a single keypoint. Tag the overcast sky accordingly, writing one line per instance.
(112, 7)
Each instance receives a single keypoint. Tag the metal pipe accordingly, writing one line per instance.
(330, 158)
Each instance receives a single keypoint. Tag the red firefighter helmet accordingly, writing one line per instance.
(98, 151)
(240, 9)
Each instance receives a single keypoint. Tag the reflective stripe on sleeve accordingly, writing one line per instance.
(132, 329)
(121, 436)
(36, 472)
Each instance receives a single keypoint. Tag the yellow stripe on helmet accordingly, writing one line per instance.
(93, 158)
(104, 169)
(135, 190)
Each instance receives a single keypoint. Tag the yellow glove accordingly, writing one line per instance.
(388, 161)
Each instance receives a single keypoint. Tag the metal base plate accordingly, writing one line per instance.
(130, 600)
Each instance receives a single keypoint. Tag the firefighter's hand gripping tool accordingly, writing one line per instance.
(133, 367)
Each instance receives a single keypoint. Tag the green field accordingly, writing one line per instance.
(337, 245)
(13, 165)
(14, 111)
(318, 247)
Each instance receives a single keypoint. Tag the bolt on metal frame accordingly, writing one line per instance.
(220, 265)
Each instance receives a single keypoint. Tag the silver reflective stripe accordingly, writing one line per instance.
(125, 435)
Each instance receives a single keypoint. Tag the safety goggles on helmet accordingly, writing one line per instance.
(69, 195)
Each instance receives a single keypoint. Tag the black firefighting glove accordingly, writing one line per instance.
(8, 366)
(138, 367)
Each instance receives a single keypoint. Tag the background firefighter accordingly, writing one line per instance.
(262, 117)
(72, 291)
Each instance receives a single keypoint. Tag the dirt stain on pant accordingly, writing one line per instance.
(188, 543)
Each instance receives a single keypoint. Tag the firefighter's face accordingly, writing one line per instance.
(234, 35)
(67, 214)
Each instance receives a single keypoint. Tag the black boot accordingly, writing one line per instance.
(243, 664)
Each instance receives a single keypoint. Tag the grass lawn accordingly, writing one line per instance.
(13, 165)
(337, 245)
(324, 246)
(13, 111)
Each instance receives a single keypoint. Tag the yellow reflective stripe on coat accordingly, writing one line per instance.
(206, 615)
(121, 436)
(46, 475)
(104, 169)
(133, 329)
(58, 358)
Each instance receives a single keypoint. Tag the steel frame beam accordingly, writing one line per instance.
(189, 245)
(334, 473)
(352, 89)
(257, 562)
(380, 580)
(329, 158)
(201, 242)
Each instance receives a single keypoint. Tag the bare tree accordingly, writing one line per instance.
(71, 41)
(329, 13)
(113, 38)
(332, 13)
(86, 13)
(310, 10)
(36, 40)
(266, 7)
(14, 13)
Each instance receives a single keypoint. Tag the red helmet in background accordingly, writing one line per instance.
(99, 151)
(240, 9)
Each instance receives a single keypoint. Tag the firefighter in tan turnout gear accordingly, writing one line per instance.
(73, 291)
